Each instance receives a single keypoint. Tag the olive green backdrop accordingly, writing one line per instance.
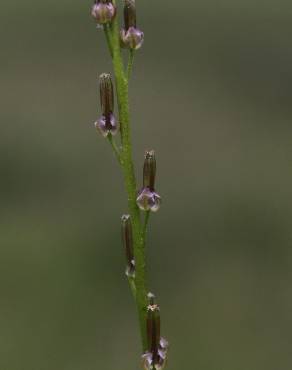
(211, 93)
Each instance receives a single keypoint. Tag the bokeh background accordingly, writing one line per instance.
(211, 93)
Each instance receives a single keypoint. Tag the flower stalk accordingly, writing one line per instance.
(133, 225)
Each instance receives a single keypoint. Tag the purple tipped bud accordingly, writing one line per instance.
(103, 11)
(107, 123)
(155, 357)
(127, 239)
(148, 199)
(131, 36)
(153, 330)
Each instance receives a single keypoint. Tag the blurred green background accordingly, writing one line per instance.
(211, 93)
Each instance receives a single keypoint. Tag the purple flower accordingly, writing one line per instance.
(103, 11)
(107, 123)
(148, 199)
(155, 357)
(148, 360)
(131, 36)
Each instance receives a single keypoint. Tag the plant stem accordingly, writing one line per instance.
(108, 38)
(130, 63)
(132, 286)
(146, 220)
(115, 147)
(129, 176)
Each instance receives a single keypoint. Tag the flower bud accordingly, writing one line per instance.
(155, 357)
(149, 170)
(106, 93)
(107, 123)
(103, 11)
(129, 14)
(131, 36)
(153, 329)
(127, 239)
(148, 199)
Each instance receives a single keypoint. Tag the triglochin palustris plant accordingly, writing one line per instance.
(146, 200)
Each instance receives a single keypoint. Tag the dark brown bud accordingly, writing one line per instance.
(129, 14)
(153, 331)
(148, 199)
(106, 94)
(127, 239)
(107, 123)
(155, 356)
(149, 170)
(131, 37)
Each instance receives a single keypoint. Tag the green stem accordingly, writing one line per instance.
(146, 220)
(115, 147)
(129, 177)
(132, 286)
(107, 33)
(130, 63)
